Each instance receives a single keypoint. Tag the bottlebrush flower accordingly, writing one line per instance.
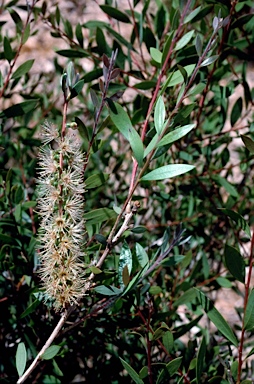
(61, 207)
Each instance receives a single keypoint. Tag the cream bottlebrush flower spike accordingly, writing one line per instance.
(61, 207)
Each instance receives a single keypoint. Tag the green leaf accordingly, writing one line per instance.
(20, 109)
(51, 352)
(79, 35)
(235, 263)
(8, 52)
(249, 314)
(168, 341)
(30, 309)
(71, 53)
(173, 366)
(99, 215)
(107, 291)
(216, 318)
(200, 360)
(21, 357)
(151, 145)
(236, 111)
(133, 374)
(185, 298)
(92, 75)
(23, 69)
(177, 77)
(122, 122)
(198, 45)
(144, 85)
(115, 13)
(248, 142)
(121, 119)
(96, 180)
(238, 219)
(141, 255)
(167, 171)
(159, 115)
(177, 134)
(125, 260)
(209, 60)
(184, 40)
(225, 184)
(156, 55)
(77, 88)
(191, 15)
(137, 146)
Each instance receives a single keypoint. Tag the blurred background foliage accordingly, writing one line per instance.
(219, 102)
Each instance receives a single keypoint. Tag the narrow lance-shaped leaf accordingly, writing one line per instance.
(177, 134)
(51, 352)
(125, 260)
(184, 40)
(133, 374)
(235, 263)
(23, 69)
(249, 314)
(167, 171)
(21, 357)
(159, 115)
(238, 219)
(216, 318)
(248, 142)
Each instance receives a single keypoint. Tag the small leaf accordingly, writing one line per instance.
(236, 111)
(159, 115)
(99, 215)
(94, 98)
(248, 142)
(173, 366)
(238, 219)
(144, 85)
(184, 40)
(249, 314)
(191, 15)
(177, 134)
(209, 60)
(235, 263)
(141, 255)
(200, 360)
(167, 171)
(115, 13)
(156, 55)
(8, 52)
(21, 357)
(216, 318)
(79, 35)
(137, 146)
(107, 291)
(51, 352)
(121, 119)
(20, 109)
(23, 69)
(224, 183)
(198, 45)
(177, 77)
(133, 374)
(168, 341)
(96, 180)
(77, 88)
(71, 53)
(125, 260)
(115, 73)
(30, 309)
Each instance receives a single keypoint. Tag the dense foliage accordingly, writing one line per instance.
(158, 94)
